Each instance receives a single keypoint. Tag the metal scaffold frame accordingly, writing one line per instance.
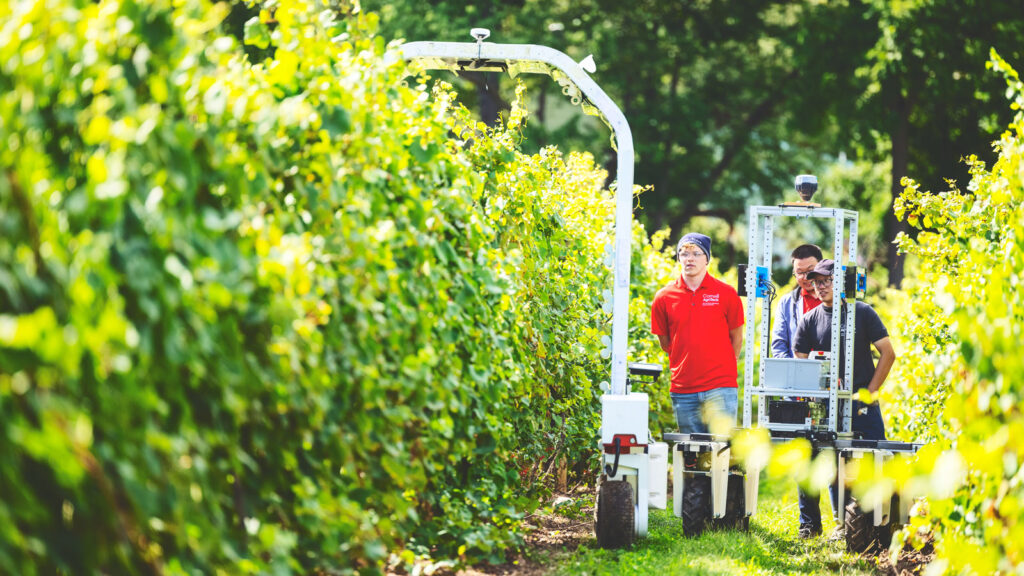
(761, 234)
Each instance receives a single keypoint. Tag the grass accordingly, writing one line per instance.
(770, 547)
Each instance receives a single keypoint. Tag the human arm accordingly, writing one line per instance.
(887, 357)
(659, 323)
(736, 336)
(735, 320)
(781, 336)
(804, 337)
(664, 341)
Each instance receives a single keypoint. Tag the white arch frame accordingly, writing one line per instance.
(577, 84)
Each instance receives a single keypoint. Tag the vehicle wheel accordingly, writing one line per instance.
(735, 507)
(696, 504)
(860, 530)
(613, 514)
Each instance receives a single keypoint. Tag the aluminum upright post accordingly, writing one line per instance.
(837, 283)
(851, 328)
(753, 226)
(766, 310)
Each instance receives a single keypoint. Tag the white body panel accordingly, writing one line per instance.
(794, 374)
(624, 414)
(657, 454)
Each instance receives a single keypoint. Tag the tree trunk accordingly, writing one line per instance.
(900, 140)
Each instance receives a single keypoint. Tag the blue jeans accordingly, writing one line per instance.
(871, 427)
(690, 408)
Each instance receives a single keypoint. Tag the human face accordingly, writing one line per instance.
(823, 287)
(800, 269)
(693, 261)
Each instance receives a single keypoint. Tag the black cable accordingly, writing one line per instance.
(613, 470)
(770, 293)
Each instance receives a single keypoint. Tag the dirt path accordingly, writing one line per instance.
(549, 538)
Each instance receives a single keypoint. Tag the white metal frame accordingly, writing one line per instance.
(760, 235)
(581, 89)
(880, 508)
(721, 455)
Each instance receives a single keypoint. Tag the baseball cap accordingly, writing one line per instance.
(823, 268)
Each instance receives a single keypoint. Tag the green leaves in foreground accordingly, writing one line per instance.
(268, 317)
(966, 378)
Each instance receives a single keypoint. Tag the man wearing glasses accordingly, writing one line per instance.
(800, 301)
(792, 308)
(699, 323)
(814, 332)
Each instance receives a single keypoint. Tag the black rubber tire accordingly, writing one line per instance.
(696, 504)
(614, 522)
(860, 530)
(862, 535)
(735, 508)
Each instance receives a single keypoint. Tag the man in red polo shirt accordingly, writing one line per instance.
(699, 323)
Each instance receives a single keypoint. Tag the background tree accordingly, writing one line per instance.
(729, 100)
(920, 92)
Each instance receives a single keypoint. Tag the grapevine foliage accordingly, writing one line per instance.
(963, 374)
(269, 316)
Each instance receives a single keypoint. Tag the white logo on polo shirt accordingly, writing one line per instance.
(710, 300)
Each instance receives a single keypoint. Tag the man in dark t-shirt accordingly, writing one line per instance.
(814, 333)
